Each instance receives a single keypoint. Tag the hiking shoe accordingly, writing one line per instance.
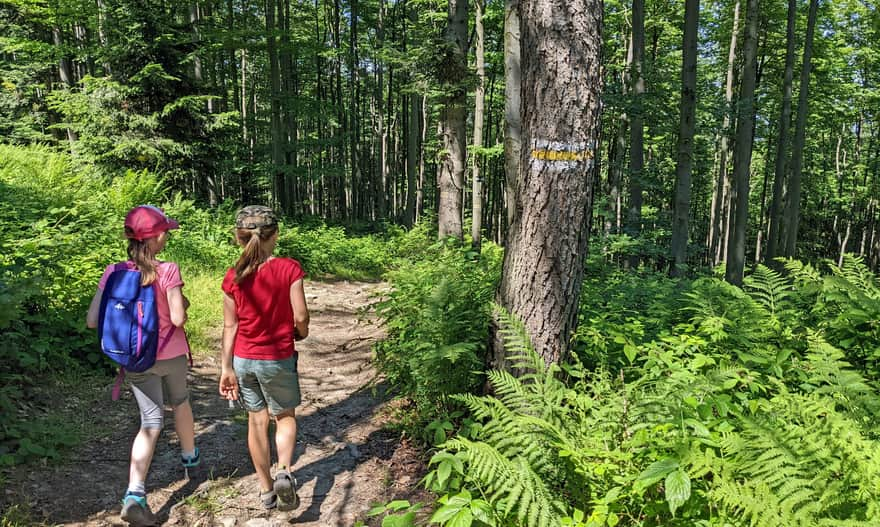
(136, 512)
(268, 499)
(285, 490)
(190, 462)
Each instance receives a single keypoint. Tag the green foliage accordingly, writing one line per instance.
(739, 411)
(437, 318)
(54, 247)
(397, 513)
(325, 250)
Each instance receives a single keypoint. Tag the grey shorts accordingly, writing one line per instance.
(268, 383)
(166, 377)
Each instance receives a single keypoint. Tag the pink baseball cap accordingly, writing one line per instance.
(147, 221)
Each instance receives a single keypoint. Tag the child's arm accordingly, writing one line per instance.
(300, 309)
(228, 381)
(177, 306)
(92, 314)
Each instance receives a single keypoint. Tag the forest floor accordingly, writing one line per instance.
(347, 458)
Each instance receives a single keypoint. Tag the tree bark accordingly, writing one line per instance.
(797, 148)
(782, 139)
(476, 157)
(274, 105)
(685, 137)
(512, 106)
(743, 148)
(450, 176)
(412, 129)
(547, 242)
(721, 199)
(637, 131)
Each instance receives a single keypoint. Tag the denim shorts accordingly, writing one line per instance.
(267, 383)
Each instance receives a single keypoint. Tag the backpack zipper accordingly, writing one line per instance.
(140, 308)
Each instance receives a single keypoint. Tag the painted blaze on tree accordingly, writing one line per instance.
(547, 241)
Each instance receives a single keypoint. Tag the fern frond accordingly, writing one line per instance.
(770, 289)
(510, 484)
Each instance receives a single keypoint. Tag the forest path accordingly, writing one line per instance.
(345, 459)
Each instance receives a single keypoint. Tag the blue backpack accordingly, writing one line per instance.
(128, 322)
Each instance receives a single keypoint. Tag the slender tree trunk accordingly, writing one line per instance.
(412, 127)
(617, 156)
(797, 150)
(685, 137)
(65, 73)
(354, 128)
(743, 148)
(450, 176)
(476, 157)
(512, 106)
(782, 139)
(637, 131)
(547, 242)
(274, 104)
(721, 198)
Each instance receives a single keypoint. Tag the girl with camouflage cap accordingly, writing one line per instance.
(264, 312)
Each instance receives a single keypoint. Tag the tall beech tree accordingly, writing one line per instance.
(547, 242)
(793, 204)
(637, 124)
(687, 124)
(781, 161)
(453, 71)
(742, 150)
(512, 104)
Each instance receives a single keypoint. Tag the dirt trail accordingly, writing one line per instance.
(345, 460)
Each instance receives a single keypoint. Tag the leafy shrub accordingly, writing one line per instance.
(437, 318)
(736, 413)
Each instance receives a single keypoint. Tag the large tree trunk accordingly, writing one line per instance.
(479, 106)
(793, 206)
(742, 157)
(637, 131)
(721, 198)
(450, 176)
(685, 136)
(547, 242)
(782, 140)
(512, 105)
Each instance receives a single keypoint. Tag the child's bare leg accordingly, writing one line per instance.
(258, 446)
(142, 454)
(285, 437)
(184, 425)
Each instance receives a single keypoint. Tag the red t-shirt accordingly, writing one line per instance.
(265, 316)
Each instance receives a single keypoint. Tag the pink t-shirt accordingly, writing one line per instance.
(169, 277)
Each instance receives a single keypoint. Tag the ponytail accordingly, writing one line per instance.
(255, 249)
(142, 253)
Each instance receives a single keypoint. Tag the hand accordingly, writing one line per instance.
(296, 336)
(228, 385)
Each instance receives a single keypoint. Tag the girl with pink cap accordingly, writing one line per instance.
(146, 228)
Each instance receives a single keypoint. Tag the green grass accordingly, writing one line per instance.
(205, 314)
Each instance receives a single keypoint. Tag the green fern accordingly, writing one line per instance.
(509, 483)
(771, 290)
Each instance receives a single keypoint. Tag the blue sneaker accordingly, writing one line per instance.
(190, 462)
(136, 512)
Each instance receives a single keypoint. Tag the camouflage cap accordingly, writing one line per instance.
(255, 216)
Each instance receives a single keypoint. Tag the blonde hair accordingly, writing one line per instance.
(143, 254)
(256, 249)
